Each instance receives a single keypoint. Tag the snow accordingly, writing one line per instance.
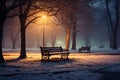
(80, 66)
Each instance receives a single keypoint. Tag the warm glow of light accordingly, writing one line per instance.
(44, 16)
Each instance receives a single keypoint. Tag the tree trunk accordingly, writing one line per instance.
(115, 31)
(110, 37)
(67, 43)
(38, 41)
(53, 41)
(113, 28)
(3, 14)
(23, 15)
(13, 45)
(53, 37)
(117, 19)
(87, 41)
(114, 45)
(109, 32)
(1, 37)
(74, 37)
(110, 42)
(23, 43)
(110, 26)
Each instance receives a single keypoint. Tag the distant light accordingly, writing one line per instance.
(60, 43)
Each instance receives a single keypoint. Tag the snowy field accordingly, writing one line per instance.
(80, 66)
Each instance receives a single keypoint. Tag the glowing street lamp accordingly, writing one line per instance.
(44, 17)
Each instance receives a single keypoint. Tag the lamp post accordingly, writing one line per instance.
(44, 17)
(43, 36)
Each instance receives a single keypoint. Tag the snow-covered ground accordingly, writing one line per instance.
(80, 66)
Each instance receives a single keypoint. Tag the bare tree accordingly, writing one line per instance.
(68, 12)
(28, 11)
(114, 22)
(24, 14)
(12, 30)
(54, 34)
(15, 35)
(5, 7)
(75, 19)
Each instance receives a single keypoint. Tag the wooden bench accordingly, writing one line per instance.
(46, 52)
(84, 49)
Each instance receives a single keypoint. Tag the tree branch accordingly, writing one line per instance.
(31, 21)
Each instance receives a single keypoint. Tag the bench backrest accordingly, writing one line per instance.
(51, 49)
(85, 48)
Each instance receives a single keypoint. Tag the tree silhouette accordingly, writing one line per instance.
(5, 7)
(114, 22)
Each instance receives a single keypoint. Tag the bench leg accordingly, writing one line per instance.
(45, 58)
(48, 57)
(64, 56)
(67, 56)
(61, 56)
(41, 57)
